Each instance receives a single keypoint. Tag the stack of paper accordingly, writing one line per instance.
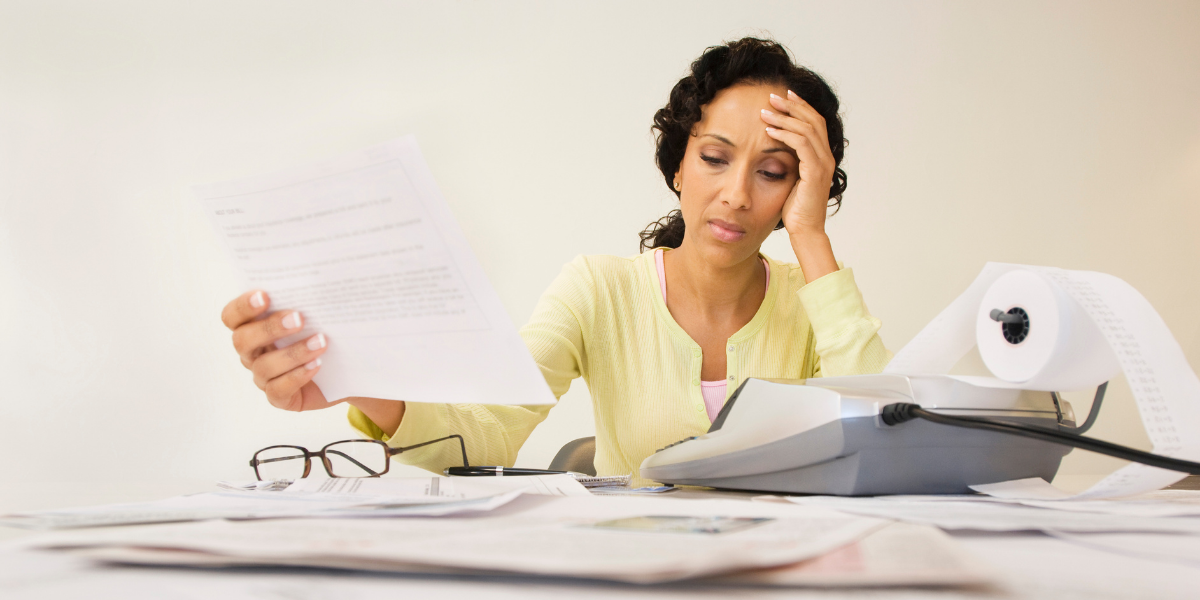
(642, 540)
(520, 526)
(897, 555)
(1159, 512)
(367, 497)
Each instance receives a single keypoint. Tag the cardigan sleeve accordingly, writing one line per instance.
(846, 335)
(494, 433)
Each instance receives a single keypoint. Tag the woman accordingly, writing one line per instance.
(750, 143)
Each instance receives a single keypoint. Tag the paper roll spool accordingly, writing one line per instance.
(1063, 349)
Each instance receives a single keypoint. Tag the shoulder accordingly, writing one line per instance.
(603, 270)
(597, 282)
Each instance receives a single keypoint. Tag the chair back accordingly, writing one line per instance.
(577, 455)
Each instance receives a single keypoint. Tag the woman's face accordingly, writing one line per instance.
(734, 179)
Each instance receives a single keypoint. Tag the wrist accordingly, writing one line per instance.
(386, 414)
(814, 252)
(808, 236)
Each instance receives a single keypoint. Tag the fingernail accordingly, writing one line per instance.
(291, 321)
(316, 342)
(767, 112)
(792, 94)
(770, 130)
(776, 97)
(257, 300)
(314, 363)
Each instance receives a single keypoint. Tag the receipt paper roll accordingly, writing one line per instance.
(1062, 349)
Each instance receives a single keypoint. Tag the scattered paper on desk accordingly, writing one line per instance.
(419, 489)
(1161, 503)
(365, 497)
(1178, 549)
(387, 509)
(533, 536)
(901, 554)
(364, 246)
(674, 524)
(624, 491)
(991, 515)
(273, 485)
(597, 481)
(1032, 488)
(217, 505)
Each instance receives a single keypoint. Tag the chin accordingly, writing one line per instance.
(724, 254)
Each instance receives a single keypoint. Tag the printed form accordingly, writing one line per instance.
(367, 250)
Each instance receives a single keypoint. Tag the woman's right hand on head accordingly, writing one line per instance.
(285, 374)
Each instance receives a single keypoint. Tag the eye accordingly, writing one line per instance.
(774, 176)
(712, 160)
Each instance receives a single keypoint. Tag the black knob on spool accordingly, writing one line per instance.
(1016, 323)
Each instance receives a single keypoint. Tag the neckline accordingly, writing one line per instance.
(650, 270)
(661, 268)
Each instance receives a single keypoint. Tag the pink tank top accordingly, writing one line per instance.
(712, 391)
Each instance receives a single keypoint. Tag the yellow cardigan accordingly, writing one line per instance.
(604, 319)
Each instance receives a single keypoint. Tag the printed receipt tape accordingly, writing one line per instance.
(1082, 326)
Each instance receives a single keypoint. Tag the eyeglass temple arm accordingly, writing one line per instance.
(461, 443)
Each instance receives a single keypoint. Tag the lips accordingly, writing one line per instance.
(726, 231)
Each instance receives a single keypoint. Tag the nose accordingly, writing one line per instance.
(736, 192)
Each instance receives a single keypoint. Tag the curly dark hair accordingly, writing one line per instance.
(748, 60)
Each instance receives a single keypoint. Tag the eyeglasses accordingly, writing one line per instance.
(347, 458)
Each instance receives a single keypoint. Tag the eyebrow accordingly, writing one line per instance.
(726, 140)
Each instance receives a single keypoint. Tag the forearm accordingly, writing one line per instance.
(386, 414)
(815, 254)
(846, 335)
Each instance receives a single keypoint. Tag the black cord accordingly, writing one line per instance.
(894, 414)
(1093, 412)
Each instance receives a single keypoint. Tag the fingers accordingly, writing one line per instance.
(245, 308)
(798, 107)
(798, 116)
(275, 363)
(250, 338)
(802, 128)
(295, 390)
(285, 374)
(810, 158)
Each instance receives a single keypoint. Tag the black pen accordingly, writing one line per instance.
(497, 472)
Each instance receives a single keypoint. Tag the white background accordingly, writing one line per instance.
(1064, 134)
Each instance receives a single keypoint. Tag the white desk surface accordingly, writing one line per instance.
(1029, 566)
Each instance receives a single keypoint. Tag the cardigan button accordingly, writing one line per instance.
(731, 347)
(733, 378)
(695, 382)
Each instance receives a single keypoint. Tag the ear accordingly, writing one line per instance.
(678, 183)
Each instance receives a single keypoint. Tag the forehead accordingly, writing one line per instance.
(738, 107)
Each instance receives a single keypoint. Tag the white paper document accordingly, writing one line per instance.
(991, 515)
(901, 554)
(614, 538)
(367, 250)
(325, 498)
(234, 505)
(1036, 492)
(1178, 549)
(420, 489)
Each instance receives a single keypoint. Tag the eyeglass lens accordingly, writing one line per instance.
(356, 458)
(282, 462)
